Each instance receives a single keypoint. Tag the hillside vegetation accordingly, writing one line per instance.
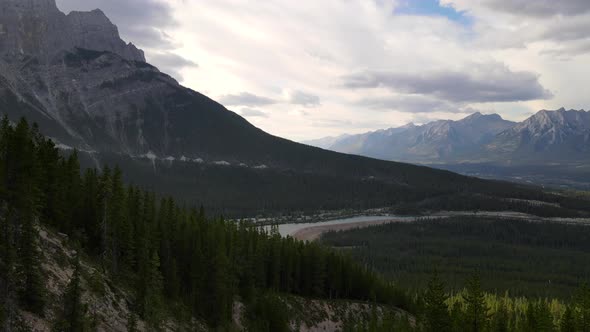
(522, 257)
(172, 259)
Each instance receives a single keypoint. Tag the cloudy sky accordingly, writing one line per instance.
(307, 69)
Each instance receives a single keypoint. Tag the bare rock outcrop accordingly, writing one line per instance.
(39, 28)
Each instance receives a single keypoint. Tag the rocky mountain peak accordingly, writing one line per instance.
(38, 28)
(477, 116)
(559, 118)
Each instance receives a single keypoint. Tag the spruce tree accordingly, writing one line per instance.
(26, 199)
(544, 318)
(500, 319)
(32, 292)
(436, 310)
(72, 317)
(582, 301)
(476, 311)
(567, 322)
(105, 193)
(152, 301)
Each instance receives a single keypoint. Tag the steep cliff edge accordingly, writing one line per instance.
(37, 27)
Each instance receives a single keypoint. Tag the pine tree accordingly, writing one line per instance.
(26, 199)
(500, 319)
(92, 212)
(120, 232)
(567, 322)
(582, 301)
(8, 236)
(437, 313)
(476, 311)
(220, 297)
(72, 317)
(105, 194)
(32, 293)
(152, 301)
(544, 318)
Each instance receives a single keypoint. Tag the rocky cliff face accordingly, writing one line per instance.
(37, 28)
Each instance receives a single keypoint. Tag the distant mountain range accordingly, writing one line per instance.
(546, 137)
(549, 148)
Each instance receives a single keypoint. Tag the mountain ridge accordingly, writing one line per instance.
(545, 135)
(118, 110)
(38, 27)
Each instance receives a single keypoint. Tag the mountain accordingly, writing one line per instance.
(37, 28)
(89, 90)
(560, 134)
(326, 142)
(433, 142)
(96, 93)
(550, 148)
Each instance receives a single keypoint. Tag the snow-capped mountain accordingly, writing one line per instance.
(431, 142)
(548, 136)
(560, 134)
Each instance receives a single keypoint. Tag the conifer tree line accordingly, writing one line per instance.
(170, 255)
(472, 310)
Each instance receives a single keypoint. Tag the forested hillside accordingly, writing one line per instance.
(524, 258)
(175, 261)
(174, 258)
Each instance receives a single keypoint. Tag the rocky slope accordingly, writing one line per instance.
(109, 302)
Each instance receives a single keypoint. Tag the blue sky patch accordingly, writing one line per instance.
(431, 8)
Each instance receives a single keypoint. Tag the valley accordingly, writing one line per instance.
(314, 231)
(149, 191)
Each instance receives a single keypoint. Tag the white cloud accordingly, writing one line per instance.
(297, 97)
(294, 54)
(249, 112)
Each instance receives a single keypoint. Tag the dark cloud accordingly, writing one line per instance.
(567, 31)
(304, 99)
(140, 21)
(411, 104)
(153, 38)
(249, 112)
(540, 8)
(245, 99)
(567, 51)
(490, 83)
(171, 60)
(171, 63)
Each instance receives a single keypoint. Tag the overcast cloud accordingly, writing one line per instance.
(306, 69)
(539, 8)
(245, 99)
(480, 84)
